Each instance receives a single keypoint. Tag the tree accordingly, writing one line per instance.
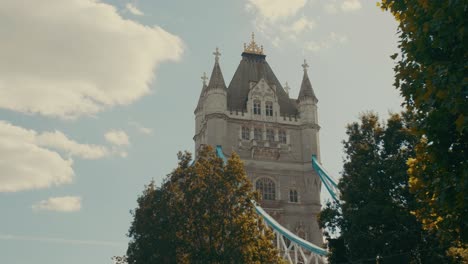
(374, 216)
(431, 75)
(203, 213)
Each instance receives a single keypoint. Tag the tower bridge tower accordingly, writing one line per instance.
(274, 135)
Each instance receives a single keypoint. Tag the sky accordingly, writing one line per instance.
(97, 98)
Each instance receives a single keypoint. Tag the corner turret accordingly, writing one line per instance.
(307, 101)
(216, 91)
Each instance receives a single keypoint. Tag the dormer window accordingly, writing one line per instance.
(269, 108)
(282, 136)
(258, 134)
(245, 133)
(256, 107)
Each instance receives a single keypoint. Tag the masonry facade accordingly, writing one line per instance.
(274, 135)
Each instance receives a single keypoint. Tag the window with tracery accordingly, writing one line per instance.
(266, 187)
(269, 108)
(245, 133)
(282, 136)
(256, 107)
(293, 196)
(270, 135)
(258, 134)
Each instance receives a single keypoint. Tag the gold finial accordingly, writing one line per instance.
(204, 78)
(253, 47)
(217, 54)
(287, 88)
(305, 65)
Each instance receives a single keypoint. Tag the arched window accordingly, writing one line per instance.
(269, 108)
(256, 107)
(245, 133)
(293, 196)
(266, 187)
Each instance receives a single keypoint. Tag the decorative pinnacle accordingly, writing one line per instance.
(204, 78)
(305, 65)
(253, 47)
(287, 88)
(217, 54)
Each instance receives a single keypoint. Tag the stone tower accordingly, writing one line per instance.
(274, 135)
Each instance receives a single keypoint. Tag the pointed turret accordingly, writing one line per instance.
(202, 93)
(216, 80)
(306, 92)
(216, 91)
(307, 101)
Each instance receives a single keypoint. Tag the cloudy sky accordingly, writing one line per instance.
(97, 97)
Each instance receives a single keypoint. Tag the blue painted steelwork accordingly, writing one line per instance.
(330, 184)
(276, 226)
(288, 234)
(219, 152)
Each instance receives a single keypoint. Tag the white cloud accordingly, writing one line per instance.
(273, 10)
(133, 9)
(330, 8)
(141, 128)
(117, 137)
(59, 141)
(77, 57)
(300, 25)
(332, 39)
(350, 5)
(59, 204)
(25, 165)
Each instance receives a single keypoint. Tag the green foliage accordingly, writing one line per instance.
(374, 216)
(431, 74)
(203, 213)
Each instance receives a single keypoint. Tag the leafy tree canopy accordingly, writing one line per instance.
(431, 74)
(202, 213)
(374, 216)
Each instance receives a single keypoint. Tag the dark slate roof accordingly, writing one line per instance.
(216, 80)
(254, 67)
(306, 89)
(200, 99)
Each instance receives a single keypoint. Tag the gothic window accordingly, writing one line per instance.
(282, 136)
(269, 108)
(266, 187)
(258, 134)
(270, 135)
(293, 196)
(245, 133)
(256, 107)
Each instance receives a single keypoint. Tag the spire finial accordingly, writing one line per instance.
(253, 48)
(305, 65)
(204, 78)
(217, 54)
(287, 88)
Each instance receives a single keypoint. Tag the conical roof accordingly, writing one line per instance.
(254, 67)
(216, 79)
(306, 90)
(200, 99)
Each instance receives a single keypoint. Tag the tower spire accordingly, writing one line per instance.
(216, 79)
(253, 48)
(306, 87)
(204, 78)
